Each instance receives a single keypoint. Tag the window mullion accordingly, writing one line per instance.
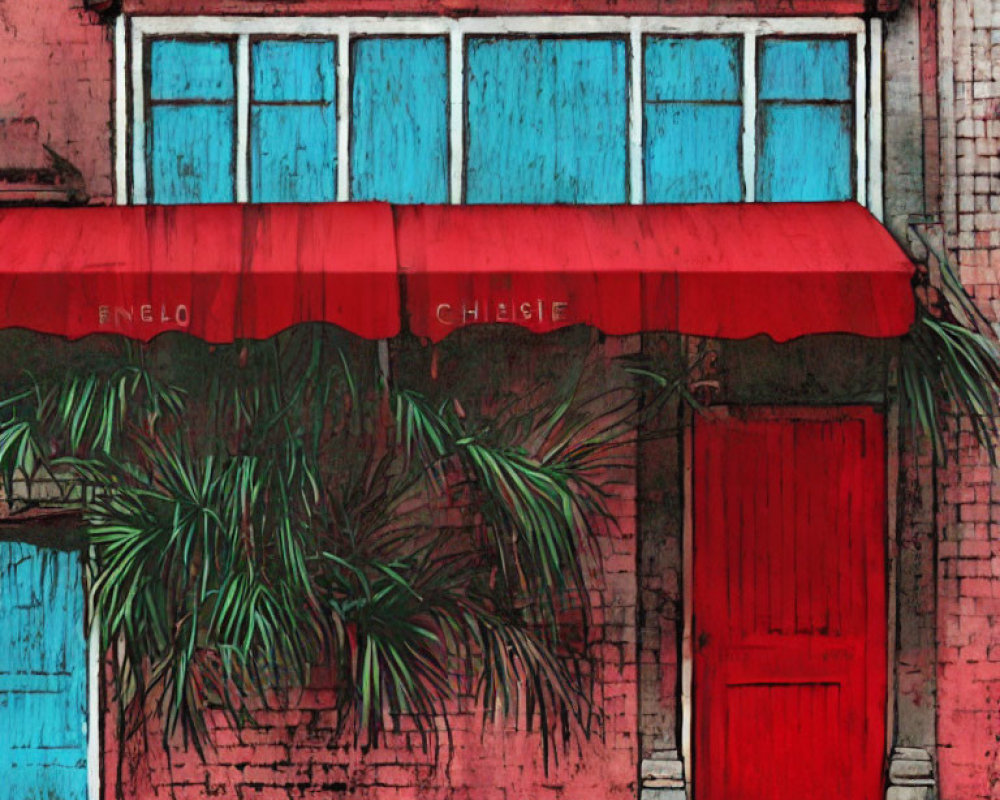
(456, 112)
(749, 153)
(860, 129)
(636, 153)
(140, 145)
(242, 118)
(874, 133)
(343, 115)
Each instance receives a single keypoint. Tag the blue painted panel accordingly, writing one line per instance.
(546, 121)
(184, 70)
(399, 120)
(43, 675)
(286, 70)
(693, 153)
(805, 69)
(293, 153)
(191, 154)
(688, 68)
(804, 152)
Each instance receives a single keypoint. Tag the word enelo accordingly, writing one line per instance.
(468, 312)
(130, 315)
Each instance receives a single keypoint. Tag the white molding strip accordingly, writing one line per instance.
(749, 143)
(860, 118)
(242, 118)
(875, 164)
(332, 26)
(456, 113)
(138, 117)
(687, 588)
(93, 696)
(121, 113)
(343, 116)
(636, 167)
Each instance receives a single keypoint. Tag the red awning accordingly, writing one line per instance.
(223, 272)
(720, 270)
(219, 272)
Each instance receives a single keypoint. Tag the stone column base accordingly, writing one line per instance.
(911, 775)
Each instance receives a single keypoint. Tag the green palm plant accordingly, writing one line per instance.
(949, 364)
(259, 510)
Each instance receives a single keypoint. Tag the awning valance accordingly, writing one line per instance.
(219, 272)
(223, 272)
(723, 270)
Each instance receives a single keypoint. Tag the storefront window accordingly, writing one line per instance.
(498, 110)
(693, 119)
(805, 123)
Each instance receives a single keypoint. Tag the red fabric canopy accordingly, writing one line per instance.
(721, 270)
(220, 272)
(223, 272)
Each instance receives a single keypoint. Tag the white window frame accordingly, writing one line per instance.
(132, 36)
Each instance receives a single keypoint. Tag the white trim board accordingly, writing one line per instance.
(566, 24)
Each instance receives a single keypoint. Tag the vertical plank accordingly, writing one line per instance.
(693, 119)
(192, 154)
(789, 655)
(190, 70)
(805, 120)
(292, 153)
(43, 674)
(805, 152)
(293, 121)
(191, 122)
(805, 69)
(399, 119)
(547, 120)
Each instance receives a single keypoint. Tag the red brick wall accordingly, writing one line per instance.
(969, 631)
(55, 90)
(968, 612)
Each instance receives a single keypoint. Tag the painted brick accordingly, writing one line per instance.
(55, 59)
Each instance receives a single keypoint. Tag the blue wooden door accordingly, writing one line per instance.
(43, 675)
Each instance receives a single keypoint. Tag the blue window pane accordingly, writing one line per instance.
(688, 68)
(692, 153)
(547, 121)
(293, 153)
(184, 70)
(805, 69)
(191, 154)
(399, 120)
(43, 674)
(692, 119)
(804, 152)
(298, 71)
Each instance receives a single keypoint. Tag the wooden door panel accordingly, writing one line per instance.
(789, 604)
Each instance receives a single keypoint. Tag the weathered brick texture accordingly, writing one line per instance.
(968, 613)
(55, 62)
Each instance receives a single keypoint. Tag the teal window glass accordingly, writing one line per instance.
(547, 120)
(692, 118)
(805, 120)
(399, 119)
(191, 122)
(293, 120)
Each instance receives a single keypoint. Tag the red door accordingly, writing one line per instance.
(789, 605)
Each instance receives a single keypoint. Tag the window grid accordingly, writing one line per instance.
(132, 49)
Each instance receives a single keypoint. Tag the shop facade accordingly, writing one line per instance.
(764, 608)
